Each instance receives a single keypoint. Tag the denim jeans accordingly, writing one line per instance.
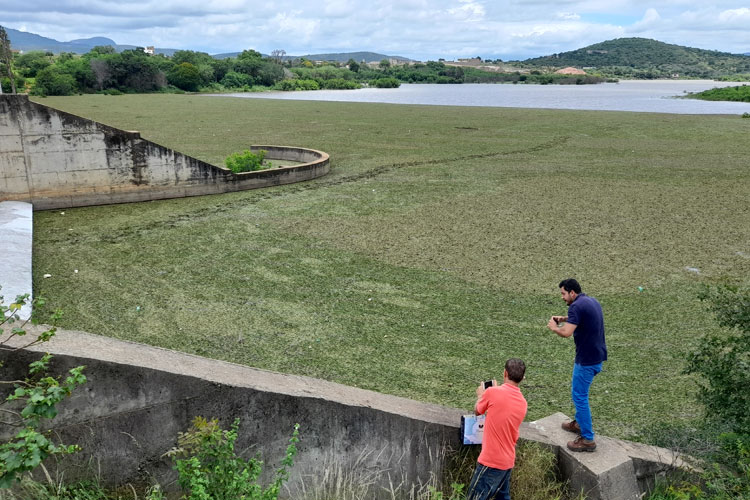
(582, 378)
(488, 483)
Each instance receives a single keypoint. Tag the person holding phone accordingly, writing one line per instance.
(585, 322)
(504, 408)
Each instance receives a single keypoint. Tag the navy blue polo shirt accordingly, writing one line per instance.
(586, 313)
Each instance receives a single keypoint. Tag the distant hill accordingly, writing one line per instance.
(26, 42)
(643, 57)
(357, 56)
(337, 57)
(21, 40)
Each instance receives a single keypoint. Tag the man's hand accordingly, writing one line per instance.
(481, 389)
(564, 331)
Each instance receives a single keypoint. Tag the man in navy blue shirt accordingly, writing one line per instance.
(585, 322)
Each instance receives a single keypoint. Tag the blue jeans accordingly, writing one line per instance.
(488, 483)
(582, 378)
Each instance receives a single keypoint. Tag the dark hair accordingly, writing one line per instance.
(516, 369)
(570, 285)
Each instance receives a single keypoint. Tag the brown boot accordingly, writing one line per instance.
(582, 444)
(571, 426)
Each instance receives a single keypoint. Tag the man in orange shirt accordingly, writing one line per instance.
(505, 407)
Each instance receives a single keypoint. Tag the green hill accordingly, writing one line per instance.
(646, 58)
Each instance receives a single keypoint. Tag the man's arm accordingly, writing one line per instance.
(565, 330)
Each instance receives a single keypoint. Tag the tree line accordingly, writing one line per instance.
(103, 70)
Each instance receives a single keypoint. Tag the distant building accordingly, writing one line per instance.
(149, 50)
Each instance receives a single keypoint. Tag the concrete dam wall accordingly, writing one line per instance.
(54, 159)
(138, 398)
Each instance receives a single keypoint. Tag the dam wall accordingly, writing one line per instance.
(54, 159)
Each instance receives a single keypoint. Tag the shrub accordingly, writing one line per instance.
(340, 84)
(385, 83)
(291, 85)
(247, 161)
(235, 80)
(209, 468)
(723, 360)
(32, 400)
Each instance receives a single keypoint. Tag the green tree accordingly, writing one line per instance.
(723, 360)
(185, 76)
(234, 80)
(31, 63)
(51, 81)
(137, 71)
(384, 64)
(6, 58)
(353, 65)
(31, 400)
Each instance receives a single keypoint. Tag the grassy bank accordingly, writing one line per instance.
(428, 255)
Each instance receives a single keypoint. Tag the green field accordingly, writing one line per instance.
(429, 254)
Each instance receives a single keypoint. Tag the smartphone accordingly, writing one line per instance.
(487, 384)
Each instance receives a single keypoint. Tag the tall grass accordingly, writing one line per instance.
(533, 478)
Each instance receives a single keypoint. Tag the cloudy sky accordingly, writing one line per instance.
(418, 29)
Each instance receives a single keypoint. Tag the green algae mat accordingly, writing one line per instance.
(429, 254)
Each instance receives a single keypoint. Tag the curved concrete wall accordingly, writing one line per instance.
(55, 159)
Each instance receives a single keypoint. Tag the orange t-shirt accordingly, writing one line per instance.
(506, 408)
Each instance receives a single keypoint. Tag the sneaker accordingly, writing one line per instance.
(582, 444)
(571, 426)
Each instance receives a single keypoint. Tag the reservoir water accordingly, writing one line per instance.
(656, 96)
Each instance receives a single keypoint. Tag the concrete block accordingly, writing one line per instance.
(606, 474)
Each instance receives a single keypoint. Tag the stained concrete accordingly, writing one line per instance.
(15, 252)
(55, 159)
(617, 470)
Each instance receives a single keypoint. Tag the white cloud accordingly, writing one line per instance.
(469, 11)
(736, 17)
(650, 19)
(421, 29)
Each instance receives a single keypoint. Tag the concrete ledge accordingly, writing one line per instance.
(16, 228)
(617, 470)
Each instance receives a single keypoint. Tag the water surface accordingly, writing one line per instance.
(659, 96)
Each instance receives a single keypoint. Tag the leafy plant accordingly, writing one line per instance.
(724, 359)
(33, 399)
(247, 161)
(209, 468)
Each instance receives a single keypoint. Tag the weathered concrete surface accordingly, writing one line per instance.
(54, 159)
(16, 233)
(139, 397)
(617, 470)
